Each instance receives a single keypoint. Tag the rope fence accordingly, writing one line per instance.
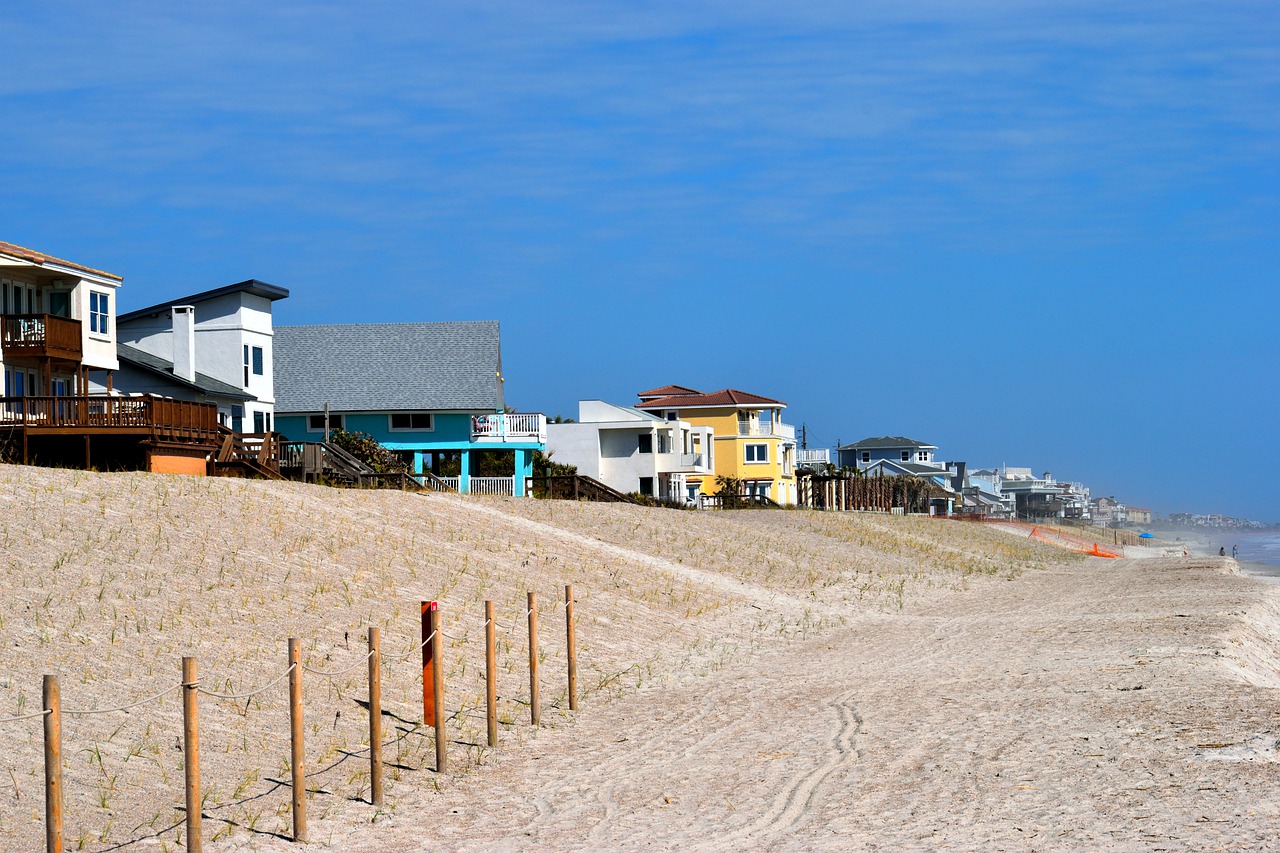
(434, 714)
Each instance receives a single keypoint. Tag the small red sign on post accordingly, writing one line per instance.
(430, 609)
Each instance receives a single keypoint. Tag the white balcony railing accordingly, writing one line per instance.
(509, 427)
(813, 457)
(776, 429)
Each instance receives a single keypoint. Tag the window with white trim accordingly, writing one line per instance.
(99, 313)
(755, 453)
(410, 422)
(315, 423)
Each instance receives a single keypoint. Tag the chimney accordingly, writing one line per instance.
(184, 342)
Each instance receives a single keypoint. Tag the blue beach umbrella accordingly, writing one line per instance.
(1145, 536)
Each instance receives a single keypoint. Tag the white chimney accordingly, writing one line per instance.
(184, 342)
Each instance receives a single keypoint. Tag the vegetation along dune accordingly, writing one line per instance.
(781, 680)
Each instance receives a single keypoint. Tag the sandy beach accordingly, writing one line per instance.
(776, 680)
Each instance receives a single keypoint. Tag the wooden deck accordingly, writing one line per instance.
(157, 418)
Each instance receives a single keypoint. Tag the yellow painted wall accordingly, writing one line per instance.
(730, 449)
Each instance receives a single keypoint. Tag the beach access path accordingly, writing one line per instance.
(1108, 705)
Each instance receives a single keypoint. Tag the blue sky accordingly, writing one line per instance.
(1038, 233)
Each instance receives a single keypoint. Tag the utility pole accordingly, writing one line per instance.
(804, 437)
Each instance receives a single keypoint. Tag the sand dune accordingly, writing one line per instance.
(776, 680)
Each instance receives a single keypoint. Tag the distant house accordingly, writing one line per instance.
(1139, 515)
(866, 453)
(431, 392)
(752, 444)
(214, 346)
(634, 451)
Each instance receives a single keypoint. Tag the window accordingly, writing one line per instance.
(664, 442)
(259, 422)
(646, 486)
(99, 313)
(757, 452)
(866, 456)
(315, 423)
(60, 303)
(673, 415)
(246, 365)
(416, 421)
(906, 456)
(237, 418)
(257, 361)
(646, 443)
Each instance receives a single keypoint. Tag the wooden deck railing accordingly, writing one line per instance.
(166, 419)
(41, 335)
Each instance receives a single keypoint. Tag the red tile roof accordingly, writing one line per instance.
(667, 391)
(16, 251)
(727, 397)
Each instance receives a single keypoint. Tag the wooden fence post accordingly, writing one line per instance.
(572, 646)
(191, 754)
(375, 716)
(535, 711)
(295, 740)
(491, 673)
(437, 685)
(52, 765)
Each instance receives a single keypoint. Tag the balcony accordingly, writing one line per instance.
(515, 428)
(688, 463)
(813, 457)
(40, 336)
(767, 429)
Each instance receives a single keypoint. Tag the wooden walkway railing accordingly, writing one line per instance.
(165, 419)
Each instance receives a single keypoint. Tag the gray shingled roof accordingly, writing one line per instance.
(886, 442)
(164, 368)
(374, 367)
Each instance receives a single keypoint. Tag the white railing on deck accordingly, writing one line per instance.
(766, 428)
(813, 457)
(509, 426)
(451, 482)
(492, 486)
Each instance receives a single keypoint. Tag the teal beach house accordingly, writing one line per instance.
(431, 392)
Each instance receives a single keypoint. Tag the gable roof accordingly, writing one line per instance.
(164, 368)
(257, 288)
(13, 250)
(727, 397)
(887, 442)
(666, 391)
(375, 367)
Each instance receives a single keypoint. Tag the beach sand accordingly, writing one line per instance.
(772, 680)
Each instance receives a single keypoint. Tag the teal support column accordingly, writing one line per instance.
(523, 471)
(417, 462)
(464, 474)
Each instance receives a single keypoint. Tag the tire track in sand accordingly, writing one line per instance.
(791, 803)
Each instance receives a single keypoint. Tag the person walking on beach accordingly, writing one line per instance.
(1234, 548)
(1222, 551)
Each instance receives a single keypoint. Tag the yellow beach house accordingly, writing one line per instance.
(752, 444)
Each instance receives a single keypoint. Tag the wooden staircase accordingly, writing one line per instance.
(247, 455)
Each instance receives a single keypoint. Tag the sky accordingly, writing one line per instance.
(1036, 234)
